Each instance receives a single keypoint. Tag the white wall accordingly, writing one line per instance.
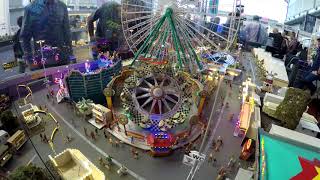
(4, 17)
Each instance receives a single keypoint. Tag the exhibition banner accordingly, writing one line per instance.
(213, 6)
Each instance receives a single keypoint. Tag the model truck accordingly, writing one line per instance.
(17, 140)
(5, 154)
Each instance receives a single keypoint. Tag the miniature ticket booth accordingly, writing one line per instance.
(101, 116)
(161, 143)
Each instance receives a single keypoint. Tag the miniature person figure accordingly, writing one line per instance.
(227, 105)
(214, 144)
(222, 173)
(185, 136)
(176, 142)
(131, 140)
(219, 144)
(68, 137)
(214, 160)
(136, 154)
(85, 131)
(96, 131)
(210, 159)
(231, 162)
(45, 138)
(111, 141)
(92, 135)
(116, 143)
(122, 171)
(219, 140)
(203, 130)
(48, 97)
(101, 162)
(109, 159)
(105, 134)
(231, 117)
(41, 137)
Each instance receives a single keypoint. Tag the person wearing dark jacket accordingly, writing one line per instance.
(314, 73)
(17, 49)
(46, 20)
(108, 28)
(276, 48)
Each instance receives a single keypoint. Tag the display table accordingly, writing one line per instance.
(273, 65)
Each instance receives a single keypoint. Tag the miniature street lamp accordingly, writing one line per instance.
(109, 92)
(40, 42)
(123, 119)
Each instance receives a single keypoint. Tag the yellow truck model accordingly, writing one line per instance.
(17, 140)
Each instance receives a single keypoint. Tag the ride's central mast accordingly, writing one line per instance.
(159, 34)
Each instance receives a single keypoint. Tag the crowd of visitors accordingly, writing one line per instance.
(286, 47)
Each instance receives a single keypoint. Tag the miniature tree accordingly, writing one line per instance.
(292, 107)
(28, 172)
(9, 122)
(84, 106)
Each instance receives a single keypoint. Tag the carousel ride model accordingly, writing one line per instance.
(157, 101)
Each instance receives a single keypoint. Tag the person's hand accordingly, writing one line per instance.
(315, 72)
(92, 39)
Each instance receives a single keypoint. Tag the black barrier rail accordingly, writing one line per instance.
(8, 85)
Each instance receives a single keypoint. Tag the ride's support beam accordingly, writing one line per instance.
(157, 45)
(174, 35)
(109, 92)
(157, 48)
(153, 40)
(188, 42)
(152, 33)
(164, 41)
(203, 95)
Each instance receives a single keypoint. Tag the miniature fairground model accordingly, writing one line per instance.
(157, 100)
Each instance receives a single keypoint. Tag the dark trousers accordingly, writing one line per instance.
(308, 82)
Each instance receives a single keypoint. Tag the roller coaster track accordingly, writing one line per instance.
(54, 130)
(28, 95)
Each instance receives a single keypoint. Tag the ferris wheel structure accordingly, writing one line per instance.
(178, 30)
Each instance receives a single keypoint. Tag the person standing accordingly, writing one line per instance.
(255, 33)
(17, 49)
(48, 21)
(108, 27)
(210, 159)
(46, 140)
(313, 74)
(41, 137)
(131, 140)
(85, 131)
(92, 135)
(105, 134)
(111, 141)
(293, 44)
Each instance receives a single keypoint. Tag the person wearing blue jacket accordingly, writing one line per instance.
(314, 72)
